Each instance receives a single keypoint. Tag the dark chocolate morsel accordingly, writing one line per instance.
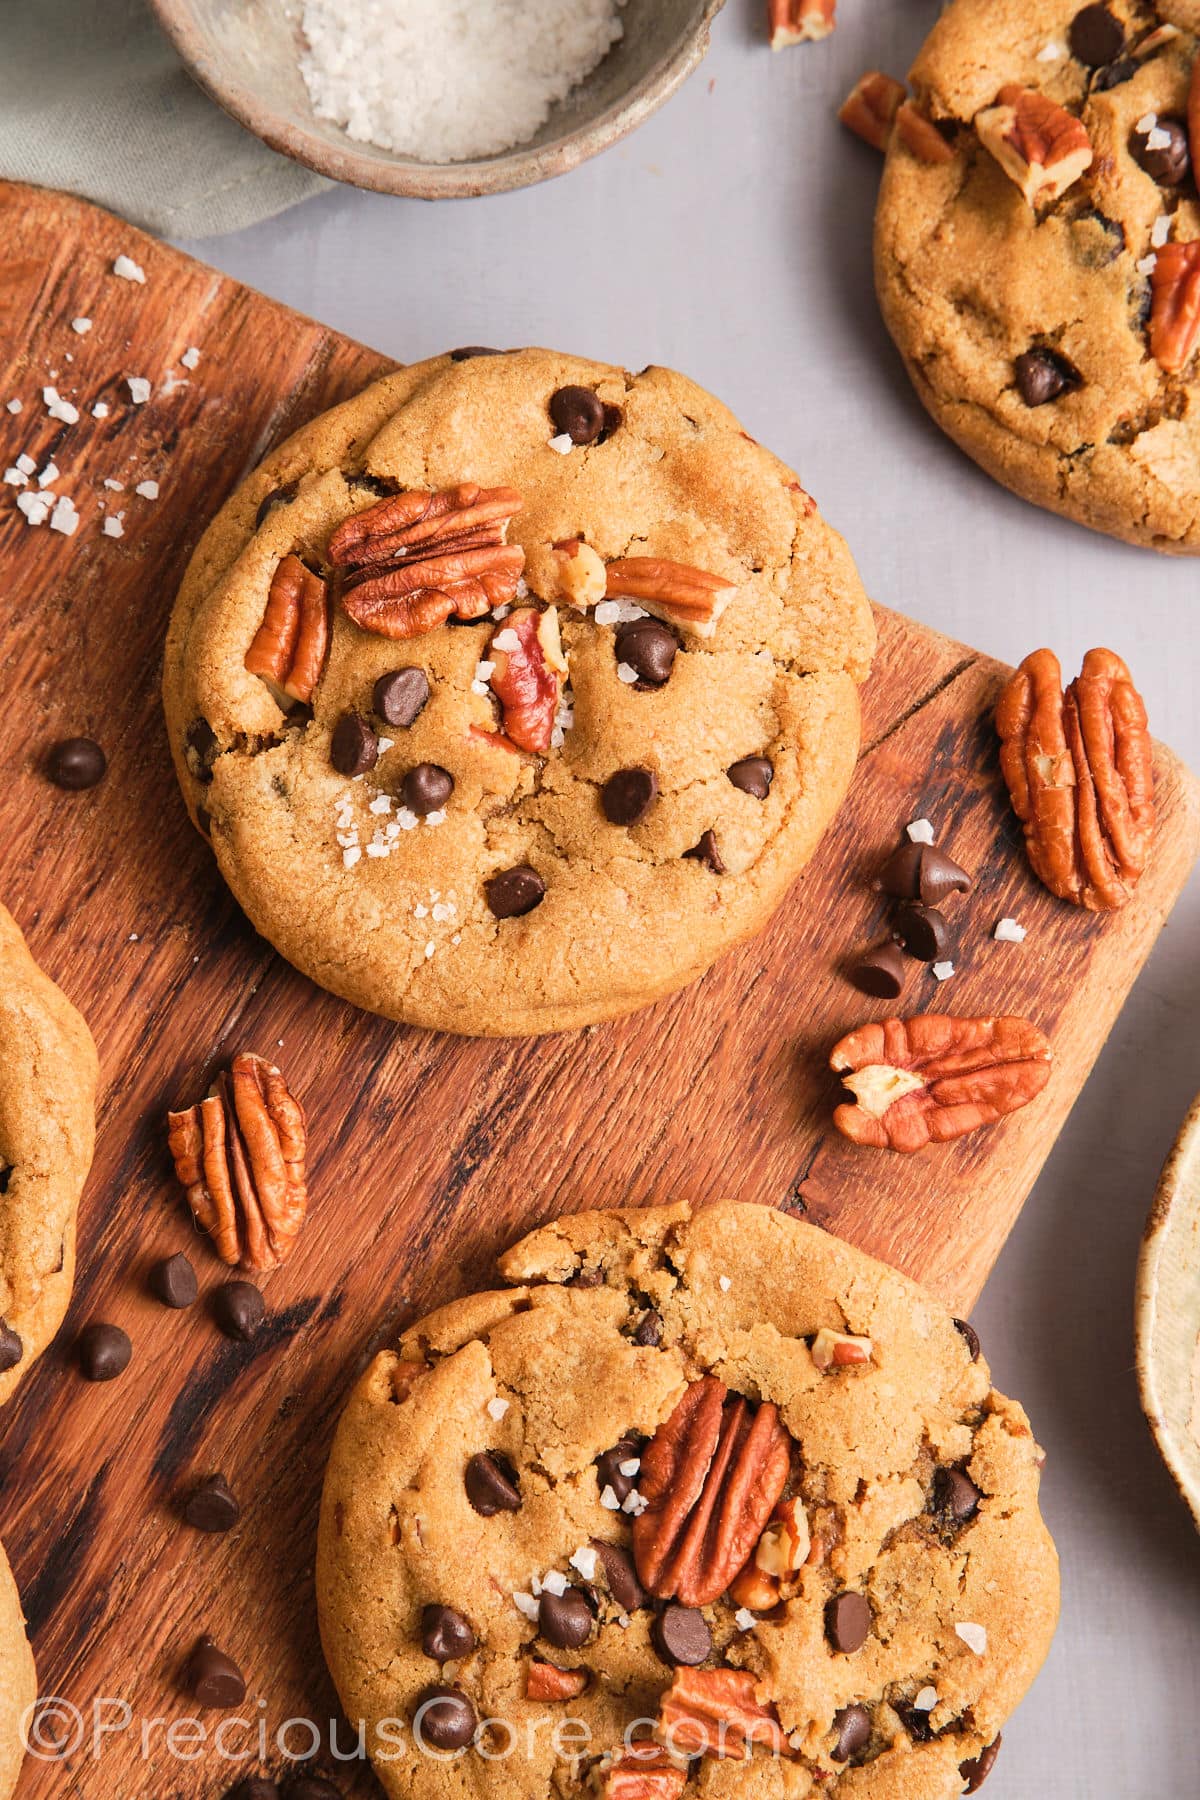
(648, 1331)
(619, 1572)
(280, 496)
(900, 876)
(239, 1309)
(173, 1281)
(976, 1772)
(212, 1678)
(565, 1620)
(1043, 375)
(491, 1485)
(955, 1495)
(614, 418)
(468, 352)
(648, 648)
(445, 1634)
(924, 932)
(972, 1336)
(514, 892)
(753, 775)
(853, 1726)
(399, 696)
(681, 1635)
(104, 1352)
(579, 411)
(211, 1507)
(879, 972)
(11, 1347)
(1168, 164)
(847, 1621)
(1096, 36)
(444, 1718)
(628, 795)
(939, 875)
(608, 1467)
(706, 852)
(353, 748)
(426, 788)
(76, 763)
(1114, 74)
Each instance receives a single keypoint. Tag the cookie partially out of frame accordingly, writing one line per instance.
(1056, 341)
(48, 1075)
(18, 1681)
(469, 864)
(515, 1502)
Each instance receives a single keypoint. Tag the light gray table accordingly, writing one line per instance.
(731, 237)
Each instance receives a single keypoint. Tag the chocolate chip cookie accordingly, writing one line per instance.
(692, 1491)
(18, 1682)
(513, 692)
(48, 1075)
(1037, 254)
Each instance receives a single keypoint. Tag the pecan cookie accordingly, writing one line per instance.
(693, 1492)
(513, 692)
(48, 1075)
(18, 1682)
(1037, 253)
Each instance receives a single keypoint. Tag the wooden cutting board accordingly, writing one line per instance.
(428, 1154)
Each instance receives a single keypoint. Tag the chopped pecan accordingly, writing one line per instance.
(414, 559)
(240, 1155)
(1080, 773)
(933, 1078)
(528, 674)
(291, 644)
(799, 21)
(1040, 145)
(869, 109)
(710, 1477)
(675, 591)
(784, 1546)
(1175, 303)
(921, 135)
(581, 574)
(717, 1712)
(544, 1682)
(645, 1772)
(834, 1350)
(754, 1589)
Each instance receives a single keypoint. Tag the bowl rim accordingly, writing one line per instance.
(516, 168)
(1178, 1184)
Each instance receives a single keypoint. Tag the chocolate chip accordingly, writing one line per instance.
(976, 1772)
(239, 1309)
(200, 748)
(879, 972)
(400, 695)
(614, 418)
(706, 852)
(445, 1634)
(173, 1281)
(971, 1335)
(353, 748)
(212, 1678)
(311, 1787)
(681, 1635)
(753, 775)
(11, 1347)
(853, 1726)
(586, 1278)
(514, 892)
(628, 795)
(648, 648)
(444, 1718)
(924, 932)
(579, 411)
(565, 1620)
(1043, 375)
(254, 1787)
(648, 1331)
(621, 1575)
(1115, 74)
(426, 788)
(1170, 164)
(468, 351)
(491, 1485)
(847, 1622)
(915, 1721)
(280, 496)
(211, 1507)
(608, 1467)
(104, 1352)
(955, 1495)
(76, 763)
(939, 875)
(900, 875)
(1096, 37)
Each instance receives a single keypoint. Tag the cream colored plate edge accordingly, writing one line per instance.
(1168, 1312)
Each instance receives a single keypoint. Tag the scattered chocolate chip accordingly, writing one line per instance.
(212, 1678)
(239, 1309)
(847, 1622)
(468, 351)
(104, 1352)
(939, 875)
(628, 795)
(976, 1772)
(445, 1634)
(1096, 36)
(971, 1335)
(311, 1787)
(648, 648)
(1043, 375)
(586, 1278)
(400, 695)
(514, 892)
(900, 876)
(491, 1485)
(648, 1331)
(426, 788)
(379, 485)
(565, 1620)
(444, 1718)
(211, 1507)
(923, 931)
(915, 1721)
(579, 411)
(608, 1467)
(681, 1635)
(11, 1347)
(621, 1575)
(955, 1495)
(1169, 164)
(279, 496)
(753, 775)
(200, 748)
(173, 1281)
(353, 748)
(1115, 74)
(879, 972)
(853, 1726)
(706, 852)
(254, 1787)
(76, 763)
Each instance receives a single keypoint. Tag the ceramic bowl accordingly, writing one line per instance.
(244, 53)
(1168, 1312)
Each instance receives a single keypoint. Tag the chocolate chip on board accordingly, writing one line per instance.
(628, 796)
(353, 748)
(211, 1507)
(619, 1572)
(212, 1678)
(173, 1281)
(879, 972)
(753, 774)
(939, 875)
(491, 1485)
(239, 1309)
(400, 696)
(1096, 36)
(444, 1718)
(11, 1347)
(104, 1352)
(76, 763)
(426, 788)
(847, 1622)
(579, 411)
(514, 892)
(565, 1620)
(681, 1635)
(648, 648)
(445, 1634)
(853, 1726)
(924, 932)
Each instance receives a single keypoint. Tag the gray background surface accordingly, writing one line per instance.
(731, 237)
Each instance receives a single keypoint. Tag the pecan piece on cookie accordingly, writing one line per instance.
(933, 1078)
(799, 21)
(921, 135)
(528, 671)
(240, 1155)
(717, 1712)
(1040, 145)
(869, 109)
(291, 644)
(1175, 304)
(675, 591)
(645, 1772)
(710, 1477)
(543, 1681)
(1080, 773)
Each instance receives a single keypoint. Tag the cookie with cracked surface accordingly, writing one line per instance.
(456, 688)
(48, 1075)
(18, 1681)
(1041, 275)
(792, 1523)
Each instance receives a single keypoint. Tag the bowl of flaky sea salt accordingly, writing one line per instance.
(439, 98)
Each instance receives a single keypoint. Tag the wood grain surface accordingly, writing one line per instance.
(428, 1154)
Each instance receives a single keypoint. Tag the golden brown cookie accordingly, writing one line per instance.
(1037, 254)
(684, 1472)
(18, 1681)
(516, 690)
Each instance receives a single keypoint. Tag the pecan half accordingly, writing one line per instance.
(710, 1476)
(675, 591)
(1040, 145)
(929, 1079)
(717, 1712)
(291, 644)
(645, 1772)
(799, 21)
(1175, 304)
(1080, 773)
(240, 1155)
(869, 109)
(528, 676)
(544, 1682)
(415, 559)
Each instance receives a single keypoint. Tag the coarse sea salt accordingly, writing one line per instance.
(14, 406)
(448, 80)
(1009, 932)
(81, 325)
(920, 832)
(139, 389)
(128, 270)
(190, 357)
